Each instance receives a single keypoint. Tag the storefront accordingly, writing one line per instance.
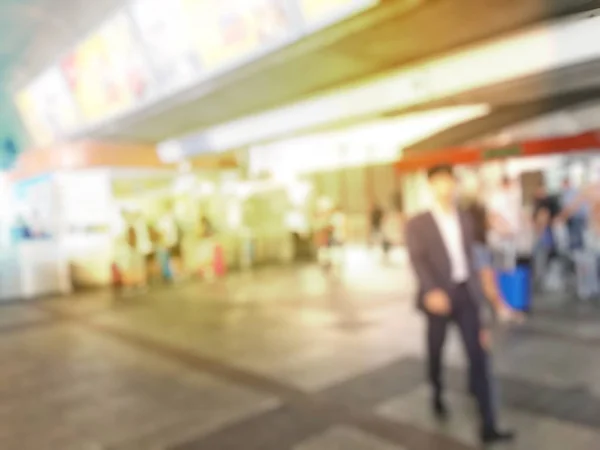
(62, 222)
(33, 261)
(353, 167)
(338, 168)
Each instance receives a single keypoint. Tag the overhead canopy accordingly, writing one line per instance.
(88, 155)
(515, 65)
(83, 155)
(401, 29)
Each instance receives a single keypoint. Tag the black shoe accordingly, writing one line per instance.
(494, 436)
(439, 410)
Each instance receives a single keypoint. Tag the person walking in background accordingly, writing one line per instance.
(170, 245)
(587, 259)
(592, 235)
(323, 231)
(152, 244)
(391, 231)
(206, 248)
(376, 217)
(588, 285)
(475, 207)
(338, 229)
(503, 210)
(546, 209)
(587, 198)
(576, 221)
(440, 244)
(164, 259)
(133, 263)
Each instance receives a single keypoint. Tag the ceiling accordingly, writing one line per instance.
(33, 33)
(567, 113)
(570, 120)
(395, 33)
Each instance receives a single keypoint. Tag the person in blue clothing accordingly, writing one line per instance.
(546, 210)
(577, 221)
(482, 253)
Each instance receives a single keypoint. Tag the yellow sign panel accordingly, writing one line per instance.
(86, 70)
(225, 30)
(323, 10)
(106, 72)
(32, 118)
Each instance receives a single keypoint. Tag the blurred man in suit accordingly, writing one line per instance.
(440, 244)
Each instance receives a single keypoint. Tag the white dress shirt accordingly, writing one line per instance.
(449, 225)
(506, 203)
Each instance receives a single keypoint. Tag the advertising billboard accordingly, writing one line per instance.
(226, 30)
(107, 72)
(31, 116)
(56, 103)
(167, 43)
(322, 12)
(47, 108)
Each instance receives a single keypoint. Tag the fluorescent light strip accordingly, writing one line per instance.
(375, 142)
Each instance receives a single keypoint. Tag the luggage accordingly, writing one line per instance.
(554, 276)
(586, 274)
(516, 288)
(561, 239)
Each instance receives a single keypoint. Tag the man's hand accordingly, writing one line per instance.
(437, 303)
(506, 314)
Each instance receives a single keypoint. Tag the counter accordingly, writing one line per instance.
(32, 269)
(90, 258)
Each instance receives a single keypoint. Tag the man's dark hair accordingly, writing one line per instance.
(440, 169)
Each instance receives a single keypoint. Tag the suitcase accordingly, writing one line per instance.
(553, 279)
(586, 274)
(516, 288)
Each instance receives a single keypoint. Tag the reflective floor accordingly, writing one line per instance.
(284, 358)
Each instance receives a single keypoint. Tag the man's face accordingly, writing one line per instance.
(443, 187)
(540, 192)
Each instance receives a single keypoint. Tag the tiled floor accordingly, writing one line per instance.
(280, 359)
(345, 438)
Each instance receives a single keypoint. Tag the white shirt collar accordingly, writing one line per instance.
(449, 226)
(439, 211)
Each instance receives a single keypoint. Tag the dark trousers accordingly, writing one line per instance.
(465, 314)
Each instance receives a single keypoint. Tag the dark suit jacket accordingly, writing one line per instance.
(430, 259)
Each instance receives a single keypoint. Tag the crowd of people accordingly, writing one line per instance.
(556, 233)
(161, 251)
